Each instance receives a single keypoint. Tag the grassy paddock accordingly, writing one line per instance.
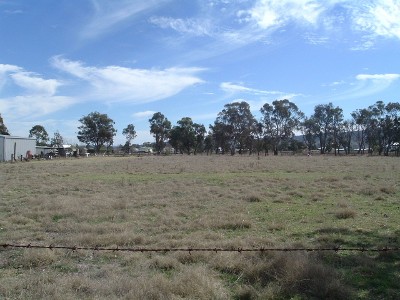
(200, 201)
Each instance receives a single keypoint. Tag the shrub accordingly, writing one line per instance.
(345, 213)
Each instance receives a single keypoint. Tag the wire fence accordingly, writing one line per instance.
(206, 249)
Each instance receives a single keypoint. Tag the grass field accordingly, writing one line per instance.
(201, 201)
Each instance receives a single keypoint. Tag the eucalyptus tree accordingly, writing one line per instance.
(280, 120)
(187, 136)
(160, 127)
(57, 140)
(3, 128)
(309, 130)
(393, 128)
(361, 119)
(209, 143)
(182, 136)
(381, 125)
(235, 123)
(130, 133)
(337, 126)
(221, 136)
(346, 133)
(40, 134)
(97, 130)
(328, 120)
(199, 141)
(258, 137)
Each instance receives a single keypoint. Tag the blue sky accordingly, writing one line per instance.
(60, 60)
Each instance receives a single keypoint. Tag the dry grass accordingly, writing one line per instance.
(198, 201)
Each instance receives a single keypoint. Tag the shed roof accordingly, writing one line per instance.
(16, 137)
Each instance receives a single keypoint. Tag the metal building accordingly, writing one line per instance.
(15, 147)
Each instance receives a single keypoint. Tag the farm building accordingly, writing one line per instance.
(48, 151)
(14, 147)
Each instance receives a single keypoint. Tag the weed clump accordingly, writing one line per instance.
(294, 275)
(345, 213)
(253, 198)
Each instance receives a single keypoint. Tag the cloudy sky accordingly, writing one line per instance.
(61, 60)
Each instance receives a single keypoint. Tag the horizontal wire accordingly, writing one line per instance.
(216, 249)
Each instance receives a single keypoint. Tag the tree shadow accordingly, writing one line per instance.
(372, 274)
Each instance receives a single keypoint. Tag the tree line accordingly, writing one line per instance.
(373, 129)
(236, 130)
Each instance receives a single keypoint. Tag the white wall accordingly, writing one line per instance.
(21, 145)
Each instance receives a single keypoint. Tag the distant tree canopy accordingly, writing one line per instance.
(97, 130)
(40, 134)
(373, 129)
(279, 121)
(130, 133)
(160, 127)
(234, 127)
(187, 137)
(3, 128)
(57, 140)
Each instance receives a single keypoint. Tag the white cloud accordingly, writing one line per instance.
(117, 84)
(38, 97)
(35, 84)
(8, 68)
(144, 114)
(379, 77)
(379, 18)
(230, 87)
(109, 14)
(235, 88)
(254, 97)
(367, 85)
(4, 70)
(326, 19)
(276, 13)
(185, 26)
(32, 106)
(374, 83)
(31, 82)
(13, 12)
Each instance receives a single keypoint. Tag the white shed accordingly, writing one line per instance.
(13, 147)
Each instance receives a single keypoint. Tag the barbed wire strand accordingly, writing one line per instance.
(189, 249)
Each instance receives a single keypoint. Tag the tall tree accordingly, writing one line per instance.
(393, 109)
(280, 120)
(378, 126)
(199, 134)
(40, 134)
(337, 126)
(346, 134)
(130, 133)
(258, 137)
(327, 120)
(309, 130)
(220, 134)
(361, 119)
(209, 143)
(159, 127)
(238, 121)
(3, 128)
(57, 140)
(187, 136)
(390, 124)
(97, 130)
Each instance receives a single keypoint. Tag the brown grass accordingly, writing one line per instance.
(191, 201)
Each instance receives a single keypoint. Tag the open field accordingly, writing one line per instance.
(201, 201)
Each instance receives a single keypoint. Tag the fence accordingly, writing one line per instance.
(206, 249)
